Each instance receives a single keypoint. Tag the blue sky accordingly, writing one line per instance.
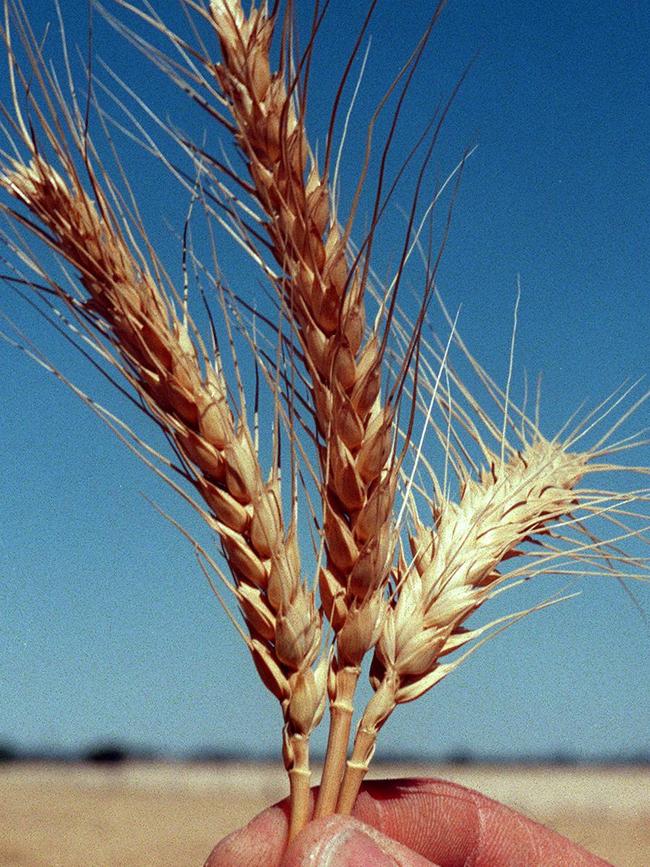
(107, 628)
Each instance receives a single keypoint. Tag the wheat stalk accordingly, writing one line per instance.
(324, 296)
(452, 572)
(184, 392)
(187, 398)
(391, 582)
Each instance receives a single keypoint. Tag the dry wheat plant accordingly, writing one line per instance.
(427, 491)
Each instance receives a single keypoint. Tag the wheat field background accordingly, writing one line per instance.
(170, 815)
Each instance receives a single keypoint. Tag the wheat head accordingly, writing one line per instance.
(165, 361)
(324, 296)
(453, 571)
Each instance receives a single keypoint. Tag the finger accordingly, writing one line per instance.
(261, 842)
(449, 824)
(444, 822)
(340, 841)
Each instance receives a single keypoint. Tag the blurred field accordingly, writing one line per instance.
(170, 815)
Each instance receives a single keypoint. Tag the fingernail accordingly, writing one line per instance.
(352, 848)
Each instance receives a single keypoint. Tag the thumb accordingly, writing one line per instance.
(340, 841)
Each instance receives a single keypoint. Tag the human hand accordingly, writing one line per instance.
(404, 823)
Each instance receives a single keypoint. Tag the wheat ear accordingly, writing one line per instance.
(323, 295)
(452, 572)
(533, 493)
(183, 390)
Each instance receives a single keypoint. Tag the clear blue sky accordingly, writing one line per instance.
(107, 628)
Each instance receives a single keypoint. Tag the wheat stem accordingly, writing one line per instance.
(299, 784)
(356, 770)
(341, 710)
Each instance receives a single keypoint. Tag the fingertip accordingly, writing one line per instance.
(354, 847)
(341, 841)
(348, 846)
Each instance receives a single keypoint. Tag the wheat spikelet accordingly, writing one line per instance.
(165, 361)
(324, 297)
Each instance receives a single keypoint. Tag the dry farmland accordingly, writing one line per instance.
(169, 815)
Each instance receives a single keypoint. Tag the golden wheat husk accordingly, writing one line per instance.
(324, 297)
(188, 401)
(452, 572)
(165, 361)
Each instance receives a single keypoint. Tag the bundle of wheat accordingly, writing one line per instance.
(391, 584)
